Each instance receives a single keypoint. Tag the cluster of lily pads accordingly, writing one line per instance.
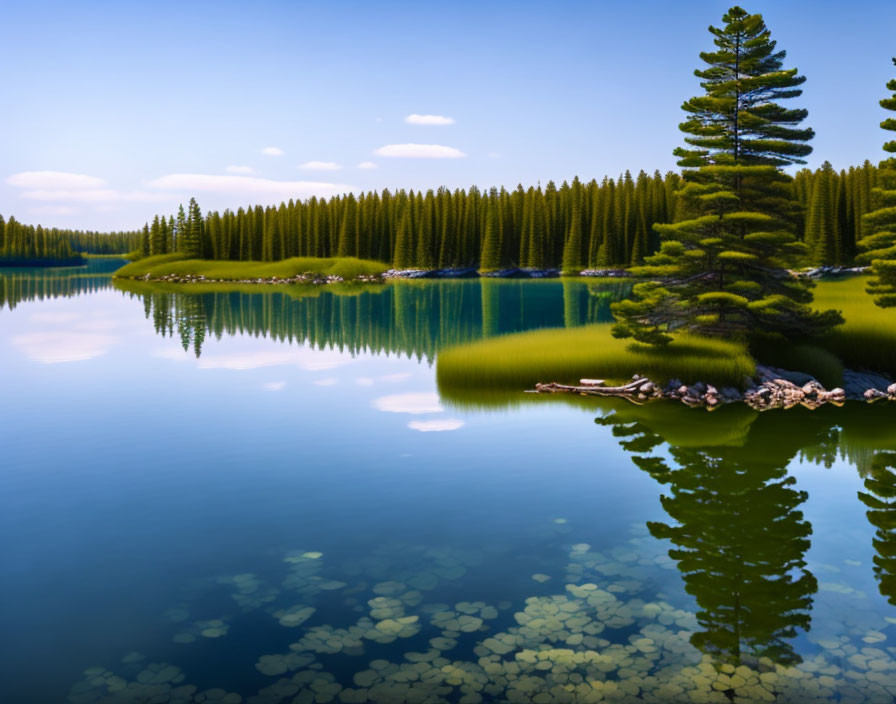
(604, 633)
(154, 682)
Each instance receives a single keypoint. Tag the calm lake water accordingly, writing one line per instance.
(263, 496)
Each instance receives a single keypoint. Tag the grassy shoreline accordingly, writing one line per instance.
(867, 342)
(177, 266)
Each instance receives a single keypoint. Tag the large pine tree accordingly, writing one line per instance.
(879, 227)
(722, 270)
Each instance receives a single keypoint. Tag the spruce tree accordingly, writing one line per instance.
(404, 249)
(180, 230)
(145, 244)
(821, 226)
(721, 272)
(490, 256)
(573, 261)
(879, 227)
(193, 243)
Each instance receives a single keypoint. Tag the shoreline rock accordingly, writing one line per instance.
(771, 389)
(307, 278)
(820, 272)
(457, 273)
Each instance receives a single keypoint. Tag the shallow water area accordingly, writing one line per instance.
(261, 496)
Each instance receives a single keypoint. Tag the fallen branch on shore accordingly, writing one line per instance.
(768, 391)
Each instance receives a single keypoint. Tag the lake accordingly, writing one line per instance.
(262, 495)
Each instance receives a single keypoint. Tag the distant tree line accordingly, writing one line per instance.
(833, 204)
(19, 242)
(29, 242)
(104, 242)
(578, 225)
(606, 224)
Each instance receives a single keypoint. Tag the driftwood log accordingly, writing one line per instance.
(637, 391)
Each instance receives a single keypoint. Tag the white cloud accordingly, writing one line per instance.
(367, 165)
(320, 166)
(247, 186)
(56, 347)
(274, 386)
(415, 119)
(52, 210)
(436, 426)
(54, 318)
(272, 151)
(301, 357)
(96, 195)
(364, 381)
(420, 151)
(395, 378)
(413, 403)
(53, 180)
(244, 170)
(62, 187)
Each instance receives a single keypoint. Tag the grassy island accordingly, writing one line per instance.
(178, 265)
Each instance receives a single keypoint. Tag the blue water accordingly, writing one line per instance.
(167, 513)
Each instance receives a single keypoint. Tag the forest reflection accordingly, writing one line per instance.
(21, 284)
(413, 318)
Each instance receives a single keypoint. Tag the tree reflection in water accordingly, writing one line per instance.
(880, 498)
(739, 536)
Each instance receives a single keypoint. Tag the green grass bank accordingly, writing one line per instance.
(520, 360)
(176, 265)
(868, 338)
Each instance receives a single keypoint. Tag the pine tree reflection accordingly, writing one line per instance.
(738, 533)
(880, 498)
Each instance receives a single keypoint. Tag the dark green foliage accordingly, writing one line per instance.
(721, 268)
(879, 227)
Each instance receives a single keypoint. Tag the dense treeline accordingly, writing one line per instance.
(20, 242)
(833, 203)
(607, 224)
(578, 225)
(23, 243)
(104, 242)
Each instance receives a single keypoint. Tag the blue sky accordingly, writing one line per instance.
(133, 107)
